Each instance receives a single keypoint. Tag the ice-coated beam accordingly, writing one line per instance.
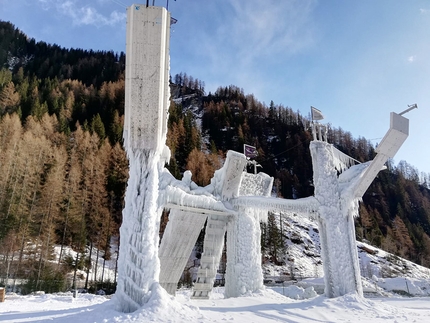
(212, 249)
(306, 206)
(387, 148)
(244, 273)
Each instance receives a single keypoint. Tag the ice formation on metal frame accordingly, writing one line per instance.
(339, 185)
(335, 202)
(213, 201)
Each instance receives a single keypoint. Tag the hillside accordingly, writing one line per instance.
(65, 170)
(301, 257)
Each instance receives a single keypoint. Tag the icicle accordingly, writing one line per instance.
(341, 160)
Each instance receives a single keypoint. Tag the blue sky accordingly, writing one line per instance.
(356, 61)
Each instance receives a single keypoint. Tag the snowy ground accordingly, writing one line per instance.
(266, 306)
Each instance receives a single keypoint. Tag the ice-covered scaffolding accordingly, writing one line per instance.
(235, 201)
(339, 185)
(213, 203)
(338, 197)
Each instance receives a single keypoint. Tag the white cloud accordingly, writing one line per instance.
(45, 4)
(270, 27)
(425, 11)
(254, 36)
(82, 14)
(247, 38)
(411, 58)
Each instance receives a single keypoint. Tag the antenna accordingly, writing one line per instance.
(167, 5)
(410, 107)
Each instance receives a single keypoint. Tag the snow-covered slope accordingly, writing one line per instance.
(302, 260)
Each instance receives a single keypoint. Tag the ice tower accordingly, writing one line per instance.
(235, 202)
(145, 128)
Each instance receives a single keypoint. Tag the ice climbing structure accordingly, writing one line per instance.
(243, 229)
(243, 272)
(339, 185)
(234, 203)
(338, 197)
(145, 128)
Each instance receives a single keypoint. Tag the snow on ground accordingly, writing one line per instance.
(265, 306)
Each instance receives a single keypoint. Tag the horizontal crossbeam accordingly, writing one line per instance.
(196, 209)
(307, 206)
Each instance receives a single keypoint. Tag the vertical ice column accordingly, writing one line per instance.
(138, 263)
(244, 273)
(145, 128)
(338, 207)
(146, 78)
(336, 225)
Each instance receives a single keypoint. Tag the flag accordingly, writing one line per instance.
(250, 151)
(316, 114)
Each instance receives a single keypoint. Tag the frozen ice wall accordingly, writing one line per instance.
(243, 272)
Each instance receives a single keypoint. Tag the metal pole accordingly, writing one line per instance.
(411, 107)
(314, 131)
(75, 292)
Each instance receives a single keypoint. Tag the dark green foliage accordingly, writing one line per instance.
(52, 61)
(51, 280)
(273, 239)
(98, 127)
(72, 262)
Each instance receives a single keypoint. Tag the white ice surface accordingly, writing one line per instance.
(138, 263)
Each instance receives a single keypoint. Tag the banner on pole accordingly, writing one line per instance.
(250, 151)
(316, 114)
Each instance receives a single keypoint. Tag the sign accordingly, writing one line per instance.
(250, 151)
